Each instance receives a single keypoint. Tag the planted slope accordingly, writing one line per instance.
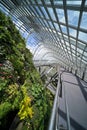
(22, 94)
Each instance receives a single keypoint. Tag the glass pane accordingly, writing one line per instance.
(41, 22)
(79, 50)
(5, 10)
(47, 1)
(85, 58)
(51, 13)
(37, 20)
(72, 32)
(81, 45)
(84, 61)
(86, 3)
(45, 13)
(58, 2)
(63, 29)
(56, 26)
(25, 35)
(39, 1)
(33, 10)
(73, 51)
(60, 14)
(73, 47)
(74, 2)
(84, 20)
(68, 48)
(82, 36)
(28, 1)
(39, 11)
(33, 1)
(86, 49)
(72, 41)
(85, 53)
(46, 23)
(51, 25)
(67, 43)
(18, 23)
(73, 17)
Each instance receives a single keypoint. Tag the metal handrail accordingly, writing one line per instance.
(53, 124)
(55, 108)
(67, 111)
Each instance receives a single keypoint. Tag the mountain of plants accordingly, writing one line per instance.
(25, 103)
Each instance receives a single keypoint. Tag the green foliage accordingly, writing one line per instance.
(2, 83)
(21, 88)
(25, 108)
(4, 109)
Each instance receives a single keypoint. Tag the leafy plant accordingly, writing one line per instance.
(21, 89)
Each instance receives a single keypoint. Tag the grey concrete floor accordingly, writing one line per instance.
(74, 90)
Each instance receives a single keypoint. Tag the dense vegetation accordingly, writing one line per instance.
(22, 93)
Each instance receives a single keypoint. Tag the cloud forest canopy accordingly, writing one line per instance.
(22, 95)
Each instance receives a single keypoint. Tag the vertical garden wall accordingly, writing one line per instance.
(23, 98)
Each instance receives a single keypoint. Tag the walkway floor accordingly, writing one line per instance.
(74, 91)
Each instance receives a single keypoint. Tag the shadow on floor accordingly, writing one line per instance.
(82, 87)
(73, 123)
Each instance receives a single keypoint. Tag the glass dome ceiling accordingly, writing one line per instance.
(55, 30)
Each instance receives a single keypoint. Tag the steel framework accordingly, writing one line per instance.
(58, 25)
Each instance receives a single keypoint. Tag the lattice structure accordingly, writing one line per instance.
(58, 29)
